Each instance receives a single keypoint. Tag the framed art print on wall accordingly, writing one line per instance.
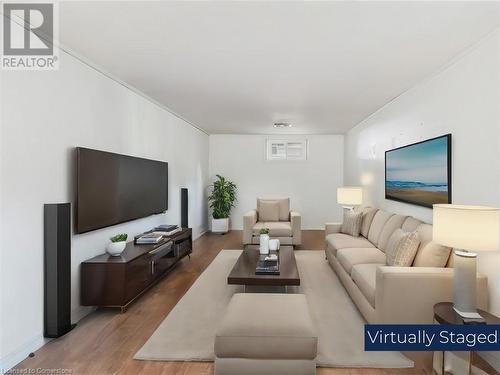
(420, 173)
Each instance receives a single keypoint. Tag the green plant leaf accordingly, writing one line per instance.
(222, 197)
(119, 237)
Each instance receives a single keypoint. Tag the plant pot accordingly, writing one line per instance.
(115, 249)
(264, 244)
(220, 225)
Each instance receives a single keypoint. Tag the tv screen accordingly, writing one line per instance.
(114, 188)
(420, 173)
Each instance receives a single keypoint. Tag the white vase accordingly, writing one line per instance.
(220, 225)
(116, 248)
(274, 244)
(264, 244)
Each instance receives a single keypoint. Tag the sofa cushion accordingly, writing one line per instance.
(368, 214)
(402, 248)
(432, 255)
(351, 224)
(276, 326)
(337, 241)
(350, 257)
(276, 228)
(377, 225)
(269, 211)
(257, 227)
(284, 204)
(365, 277)
(425, 233)
(411, 224)
(394, 222)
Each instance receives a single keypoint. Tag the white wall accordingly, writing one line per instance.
(311, 184)
(464, 100)
(45, 115)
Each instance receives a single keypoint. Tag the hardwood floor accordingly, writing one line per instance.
(105, 341)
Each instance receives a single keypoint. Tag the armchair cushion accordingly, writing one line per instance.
(269, 211)
(276, 228)
(284, 207)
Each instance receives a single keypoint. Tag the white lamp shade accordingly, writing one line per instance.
(474, 228)
(350, 195)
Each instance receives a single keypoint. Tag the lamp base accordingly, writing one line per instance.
(348, 208)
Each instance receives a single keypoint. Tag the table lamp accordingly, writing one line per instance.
(349, 196)
(466, 229)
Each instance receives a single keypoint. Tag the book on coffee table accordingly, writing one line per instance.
(267, 267)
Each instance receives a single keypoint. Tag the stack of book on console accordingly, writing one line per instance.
(167, 230)
(268, 265)
(151, 238)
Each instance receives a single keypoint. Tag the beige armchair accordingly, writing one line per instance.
(274, 214)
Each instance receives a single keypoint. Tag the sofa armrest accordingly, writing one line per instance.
(408, 294)
(332, 228)
(249, 220)
(296, 223)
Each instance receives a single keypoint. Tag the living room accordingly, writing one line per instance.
(292, 102)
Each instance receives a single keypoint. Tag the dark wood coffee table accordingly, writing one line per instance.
(243, 272)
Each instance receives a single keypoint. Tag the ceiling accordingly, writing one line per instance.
(238, 67)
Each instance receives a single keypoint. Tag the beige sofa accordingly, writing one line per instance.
(389, 294)
(285, 226)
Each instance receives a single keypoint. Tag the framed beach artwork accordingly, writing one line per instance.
(420, 173)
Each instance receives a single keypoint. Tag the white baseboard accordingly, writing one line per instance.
(81, 312)
(199, 235)
(21, 353)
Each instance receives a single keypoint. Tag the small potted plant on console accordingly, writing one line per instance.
(221, 200)
(117, 244)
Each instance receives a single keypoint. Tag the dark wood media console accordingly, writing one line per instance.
(108, 281)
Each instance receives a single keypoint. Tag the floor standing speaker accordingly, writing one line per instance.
(184, 208)
(57, 269)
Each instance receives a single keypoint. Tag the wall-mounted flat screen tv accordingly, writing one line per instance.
(420, 173)
(113, 188)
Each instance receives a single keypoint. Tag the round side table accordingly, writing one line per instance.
(445, 314)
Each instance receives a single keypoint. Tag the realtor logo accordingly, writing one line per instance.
(29, 31)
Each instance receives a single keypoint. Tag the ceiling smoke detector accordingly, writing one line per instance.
(282, 125)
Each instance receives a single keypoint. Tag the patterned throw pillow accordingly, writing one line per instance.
(402, 248)
(352, 223)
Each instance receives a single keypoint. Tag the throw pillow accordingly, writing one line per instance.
(401, 248)
(352, 223)
(269, 211)
(432, 254)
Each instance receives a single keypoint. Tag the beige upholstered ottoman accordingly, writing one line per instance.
(266, 334)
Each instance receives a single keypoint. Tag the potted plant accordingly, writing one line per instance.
(221, 200)
(117, 244)
(264, 241)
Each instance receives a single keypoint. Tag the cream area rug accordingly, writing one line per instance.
(187, 333)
